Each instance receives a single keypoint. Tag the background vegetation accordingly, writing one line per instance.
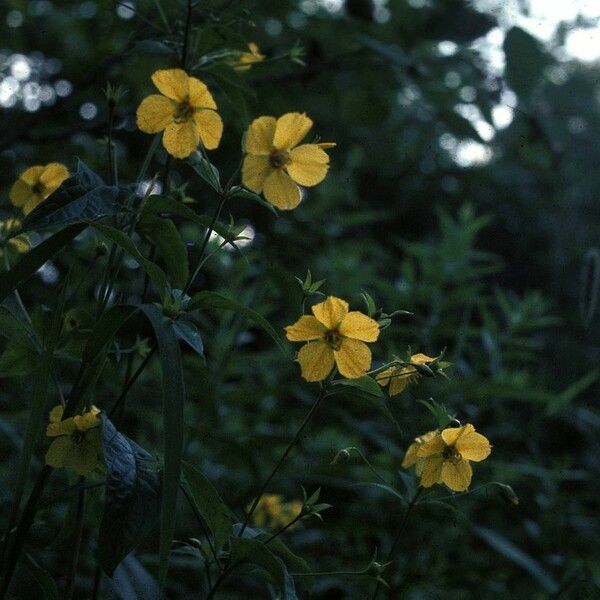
(463, 189)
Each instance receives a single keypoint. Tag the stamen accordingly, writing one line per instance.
(279, 159)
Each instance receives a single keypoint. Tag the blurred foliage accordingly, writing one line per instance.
(496, 258)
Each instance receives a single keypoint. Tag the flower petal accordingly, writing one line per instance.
(259, 138)
(410, 458)
(209, 127)
(290, 130)
(383, 378)
(53, 175)
(180, 139)
(281, 191)
(451, 434)
(316, 361)
(154, 113)
(306, 328)
(55, 415)
(358, 326)
(473, 446)
(65, 427)
(21, 193)
(398, 382)
(432, 447)
(308, 164)
(432, 471)
(58, 453)
(200, 96)
(32, 175)
(173, 83)
(353, 359)
(84, 457)
(32, 203)
(88, 420)
(254, 171)
(421, 359)
(331, 312)
(457, 475)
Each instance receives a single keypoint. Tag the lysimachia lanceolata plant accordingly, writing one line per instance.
(51, 205)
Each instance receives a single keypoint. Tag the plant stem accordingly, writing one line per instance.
(289, 448)
(70, 585)
(284, 528)
(399, 533)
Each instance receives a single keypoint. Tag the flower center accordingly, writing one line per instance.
(183, 112)
(38, 188)
(279, 159)
(333, 339)
(78, 437)
(451, 453)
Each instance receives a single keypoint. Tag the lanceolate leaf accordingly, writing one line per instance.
(132, 497)
(215, 300)
(106, 329)
(173, 393)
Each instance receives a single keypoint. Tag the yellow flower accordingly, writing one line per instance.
(77, 440)
(411, 458)
(448, 455)
(184, 109)
(337, 337)
(8, 227)
(399, 378)
(275, 164)
(272, 512)
(246, 59)
(36, 184)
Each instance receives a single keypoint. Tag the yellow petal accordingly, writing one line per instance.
(290, 130)
(65, 427)
(21, 193)
(473, 446)
(316, 361)
(331, 312)
(173, 83)
(410, 458)
(360, 327)
(383, 378)
(306, 328)
(308, 164)
(457, 474)
(32, 203)
(398, 382)
(353, 359)
(432, 471)
(326, 145)
(154, 113)
(451, 434)
(281, 191)
(254, 171)
(432, 447)
(32, 175)
(88, 420)
(259, 138)
(84, 457)
(20, 244)
(209, 127)
(58, 452)
(200, 97)
(53, 175)
(56, 414)
(421, 359)
(180, 139)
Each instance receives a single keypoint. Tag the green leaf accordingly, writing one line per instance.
(44, 580)
(239, 192)
(209, 504)
(525, 62)
(255, 552)
(155, 273)
(20, 357)
(188, 333)
(365, 384)
(215, 300)
(207, 171)
(82, 197)
(173, 392)
(132, 497)
(35, 258)
(170, 245)
(105, 330)
(566, 397)
(505, 547)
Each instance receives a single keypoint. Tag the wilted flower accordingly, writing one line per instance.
(275, 164)
(246, 59)
(77, 442)
(184, 109)
(400, 377)
(36, 183)
(337, 337)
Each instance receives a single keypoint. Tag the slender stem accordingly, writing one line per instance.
(70, 585)
(186, 34)
(163, 17)
(284, 528)
(222, 577)
(399, 533)
(289, 448)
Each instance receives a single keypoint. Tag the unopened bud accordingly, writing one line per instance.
(342, 457)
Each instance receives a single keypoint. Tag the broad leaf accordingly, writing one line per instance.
(187, 332)
(241, 193)
(206, 170)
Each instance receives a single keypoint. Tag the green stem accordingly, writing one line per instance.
(70, 585)
(289, 448)
(284, 528)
